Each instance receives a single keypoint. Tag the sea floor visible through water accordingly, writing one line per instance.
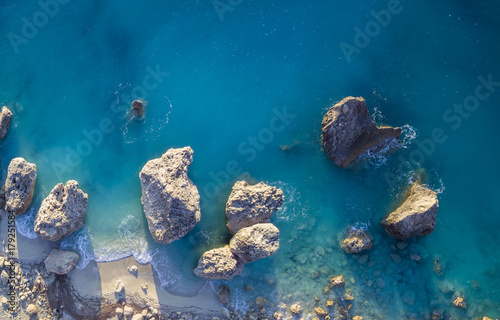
(246, 84)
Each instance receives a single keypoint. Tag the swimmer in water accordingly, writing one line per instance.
(137, 108)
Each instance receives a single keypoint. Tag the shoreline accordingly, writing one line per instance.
(90, 293)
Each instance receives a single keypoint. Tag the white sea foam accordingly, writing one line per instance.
(150, 124)
(289, 211)
(80, 242)
(25, 223)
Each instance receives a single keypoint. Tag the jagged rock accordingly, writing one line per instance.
(170, 200)
(460, 303)
(31, 309)
(248, 205)
(256, 242)
(61, 213)
(219, 263)
(417, 215)
(337, 281)
(295, 309)
(60, 262)
(224, 294)
(348, 131)
(5, 116)
(356, 241)
(19, 186)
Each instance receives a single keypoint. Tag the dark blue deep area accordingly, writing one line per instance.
(235, 80)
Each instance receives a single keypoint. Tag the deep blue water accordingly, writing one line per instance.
(216, 80)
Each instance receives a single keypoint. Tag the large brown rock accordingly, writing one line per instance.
(61, 262)
(170, 200)
(5, 116)
(416, 216)
(19, 185)
(219, 263)
(348, 131)
(61, 213)
(248, 205)
(256, 242)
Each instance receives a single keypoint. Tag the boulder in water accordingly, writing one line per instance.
(19, 186)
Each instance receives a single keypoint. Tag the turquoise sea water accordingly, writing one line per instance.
(237, 81)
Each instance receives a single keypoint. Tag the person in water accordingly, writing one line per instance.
(137, 108)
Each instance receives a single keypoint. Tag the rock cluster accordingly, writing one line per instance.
(416, 216)
(5, 116)
(61, 213)
(348, 131)
(170, 200)
(19, 185)
(60, 261)
(249, 210)
(248, 205)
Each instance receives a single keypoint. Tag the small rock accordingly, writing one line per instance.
(226, 313)
(133, 270)
(5, 277)
(249, 288)
(357, 318)
(138, 317)
(337, 281)
(402, 245)
(5, 116)
(295, 309)
(224, 294)
(60, 261)
(460, 303)
(119, 312)
(329, 303)
(31, 309)
(278, 316)
(415, 257)
(260, 302)
(321, 312)
(128, 311)
(119, 287)
(356, 241)
(144, 286)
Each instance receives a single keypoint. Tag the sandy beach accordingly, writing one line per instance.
(90, 293)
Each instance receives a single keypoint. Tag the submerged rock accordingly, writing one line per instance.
(61, 262)
(5, 116)
(19, 186)
(170, 200)
(356, 241)
(295, 309)
(248, 205)
(61, 213)
(224, 294)
(460, 303)
(219, 263)
(348, 131)
(337, 281)
(256, 242)
(415, 217)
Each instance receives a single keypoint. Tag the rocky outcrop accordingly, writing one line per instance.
(170, 200)
(348, 131)
(337, 281)
(19, 185)
(5, 116)
(61, 213)
(256, 242)
(416, 216)
(248, 205)
(356, 241)
(61, 262)
(219, 263)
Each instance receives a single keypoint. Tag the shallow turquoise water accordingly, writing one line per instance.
(214, 84)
